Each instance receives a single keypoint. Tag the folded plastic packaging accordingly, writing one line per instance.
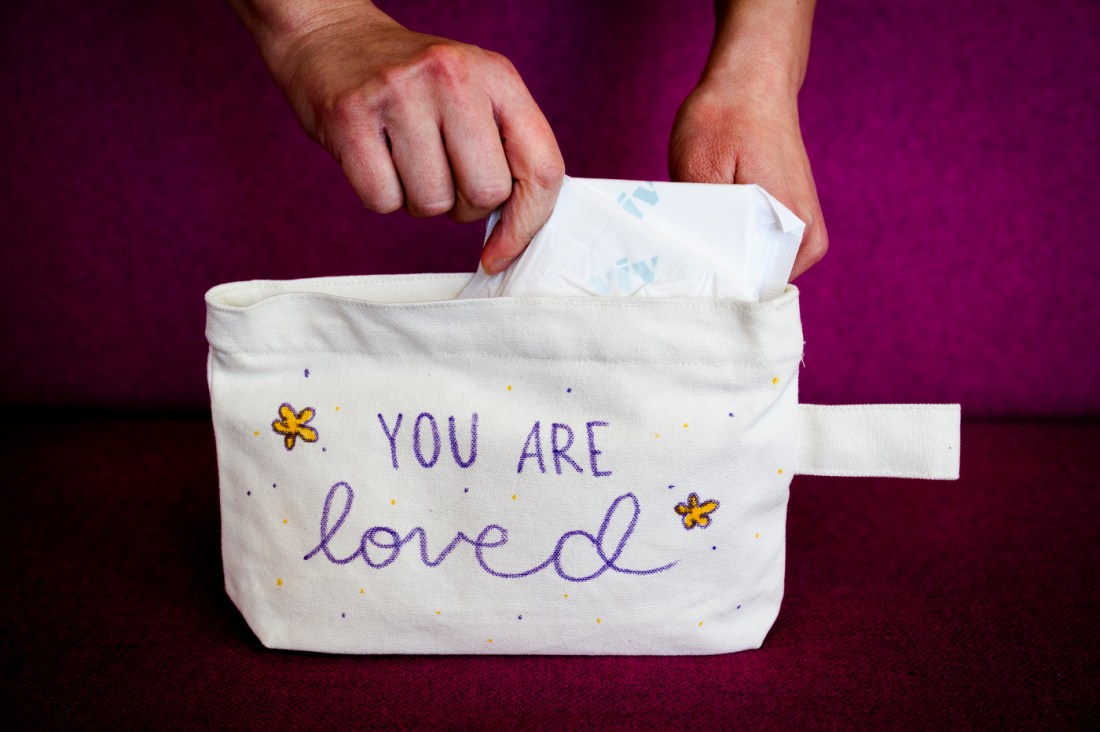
(622, 238)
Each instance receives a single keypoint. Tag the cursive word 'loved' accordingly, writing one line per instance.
(379, 546)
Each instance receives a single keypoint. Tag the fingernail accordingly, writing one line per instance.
(498, 265)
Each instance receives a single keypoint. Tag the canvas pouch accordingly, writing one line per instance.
(404, 472)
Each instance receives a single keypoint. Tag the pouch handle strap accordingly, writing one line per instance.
(879, 440)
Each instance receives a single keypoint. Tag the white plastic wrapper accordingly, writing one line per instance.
(621, 238)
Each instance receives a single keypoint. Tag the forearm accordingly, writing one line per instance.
(276, 25)
(740, 123)
(761, 44)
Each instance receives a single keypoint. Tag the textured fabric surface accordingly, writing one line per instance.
(568, 475)
(147, 156)
(879, 440)
(932, 604)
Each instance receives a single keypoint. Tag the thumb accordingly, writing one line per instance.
(521, 217)
(537, 170)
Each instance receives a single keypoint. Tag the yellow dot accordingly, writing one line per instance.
(338, 409)
(490, 640)
(278, 581)
(438, 612)
(781, 471)
(757, 534)
(285, 520)
(685, 425)
(775, 379)
(566, 595)
(700, 623)
(513, 496)
(509, 387)
(657, 435)
(362, 591)
(393, 501)
(597, 621)
(256, 433)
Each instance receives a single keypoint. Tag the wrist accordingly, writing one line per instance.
(279, 27)
(760, 48)
(754, 80)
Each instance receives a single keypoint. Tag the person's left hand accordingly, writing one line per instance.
(725, 133)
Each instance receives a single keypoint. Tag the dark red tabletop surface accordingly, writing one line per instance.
(908, 603)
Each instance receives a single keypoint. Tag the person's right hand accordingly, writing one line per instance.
(420, 122)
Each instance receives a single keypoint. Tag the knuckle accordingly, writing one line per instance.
(502, 63)
(445, 62)
(548, 173)
(429, 207)
(381, 202)
(393, 84)
(375, 189)
(339, 115)
(377, 195)
(488, 196)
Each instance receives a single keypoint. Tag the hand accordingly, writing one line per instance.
(422, 122)
(726, 135)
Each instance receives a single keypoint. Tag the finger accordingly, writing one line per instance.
(482, 178)
(537, 170)
(421, 161)
(804, 205)
(815, 238)
(815, 243)
(364, 156)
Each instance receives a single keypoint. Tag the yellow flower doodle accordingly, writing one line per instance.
(292, 425)
(695, 513)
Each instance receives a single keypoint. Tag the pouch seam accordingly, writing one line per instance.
(511, 357)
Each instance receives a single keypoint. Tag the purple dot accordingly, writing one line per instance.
(671, 487)
(307, 373)
(738, 607)
(569, 390)
(465, 490)
(273, 485)
(324, 449)
(731, 414)
(343, 615)
(519, 617)
(249, 493)
(713, 548)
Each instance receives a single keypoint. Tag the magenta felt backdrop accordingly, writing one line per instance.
(147, 156)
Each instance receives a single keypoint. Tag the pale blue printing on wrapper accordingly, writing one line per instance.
(623, 275)
(648, 196)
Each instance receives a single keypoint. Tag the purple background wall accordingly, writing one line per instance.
(147, 156)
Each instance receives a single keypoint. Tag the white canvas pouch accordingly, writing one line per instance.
(403, 472)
